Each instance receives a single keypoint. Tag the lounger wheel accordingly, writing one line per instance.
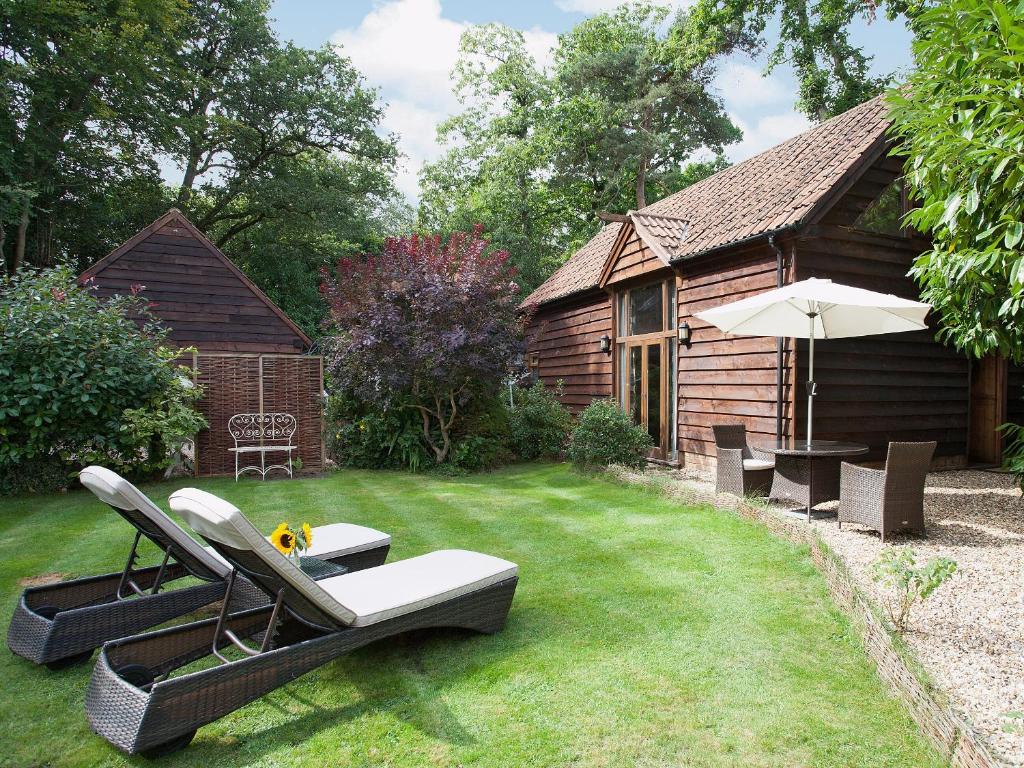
(170, 746)
(140, 676)
(48, 612)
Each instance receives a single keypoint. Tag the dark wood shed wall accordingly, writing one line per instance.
(874, 389)
(203, 301)
(566, 337)
(726, 379)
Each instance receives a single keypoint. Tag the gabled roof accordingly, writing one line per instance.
(200, 285)
(581, 272)
(789, 185)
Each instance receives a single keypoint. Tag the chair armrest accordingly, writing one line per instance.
(860, 493)
(761, 453)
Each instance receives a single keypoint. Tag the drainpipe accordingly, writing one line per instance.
(779, 277)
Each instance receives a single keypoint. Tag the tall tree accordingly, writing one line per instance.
(833, 73)
(637, 103)
(249, 111)
(75, 112)
(494, 170)
(961, 121)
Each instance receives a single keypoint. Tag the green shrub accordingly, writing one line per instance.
(538, 423)
(897, 569)
(86, 381)
(605, 435)
(368, 438)
(39, 475)
(483, 439)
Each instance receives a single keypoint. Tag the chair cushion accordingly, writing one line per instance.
(110, 488)
(337, 539)
(755, 464)
(216, 519)
(409, 585)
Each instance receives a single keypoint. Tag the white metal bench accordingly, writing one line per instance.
(262, 433)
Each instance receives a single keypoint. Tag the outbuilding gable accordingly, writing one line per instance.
(196, 290)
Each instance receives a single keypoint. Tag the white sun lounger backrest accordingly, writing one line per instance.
(110, 488)
(217, 520)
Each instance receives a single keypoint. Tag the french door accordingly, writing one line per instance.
(646, 362)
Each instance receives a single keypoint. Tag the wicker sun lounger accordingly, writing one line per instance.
(62, 624)
(135, 703)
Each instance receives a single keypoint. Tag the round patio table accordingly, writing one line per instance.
(809, 473)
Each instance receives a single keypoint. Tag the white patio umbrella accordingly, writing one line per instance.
(818, 309)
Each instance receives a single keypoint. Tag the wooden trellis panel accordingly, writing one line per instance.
(258, 384)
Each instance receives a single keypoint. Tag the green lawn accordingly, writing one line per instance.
(642, 634)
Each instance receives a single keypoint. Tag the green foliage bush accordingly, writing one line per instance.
(485, 437)
(38, 475)
(539, 424)
(897, 569)
(86, 381)
(368, 438)
(605, 435)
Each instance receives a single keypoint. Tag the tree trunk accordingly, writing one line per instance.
(20, 239)
(641, 184)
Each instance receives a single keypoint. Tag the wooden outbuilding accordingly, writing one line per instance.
(250, 357)
(617, 319)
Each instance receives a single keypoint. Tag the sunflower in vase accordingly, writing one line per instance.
(291, 543)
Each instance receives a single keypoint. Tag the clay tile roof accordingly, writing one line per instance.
(778, 188)
(775, 189)
(581, 272)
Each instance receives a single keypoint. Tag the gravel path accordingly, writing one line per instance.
(969, 634)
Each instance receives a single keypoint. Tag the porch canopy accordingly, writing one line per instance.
(821, 309)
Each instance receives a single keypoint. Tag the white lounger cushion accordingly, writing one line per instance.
(753, 464)
(111, 488)
(405, 586)
(337, 539)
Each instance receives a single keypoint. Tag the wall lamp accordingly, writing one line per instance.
(684, 334)
(606, 344)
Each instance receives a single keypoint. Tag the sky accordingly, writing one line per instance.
(407, 48)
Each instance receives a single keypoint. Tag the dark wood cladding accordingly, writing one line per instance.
(248, 357)
(200, 297)
(874, 389)
(254, 384)
(726, 379)
(566, 339)
(1015, 394)
(634, 260)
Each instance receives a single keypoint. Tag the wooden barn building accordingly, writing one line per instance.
(250, 357)
(617, 319)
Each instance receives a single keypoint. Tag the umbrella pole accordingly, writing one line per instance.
(810, 379)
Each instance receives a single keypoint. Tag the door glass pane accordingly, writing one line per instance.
(636, 370)
(646, 309)
(654, 392)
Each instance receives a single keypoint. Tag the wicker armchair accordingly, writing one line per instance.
(889, 499)
(742, 470)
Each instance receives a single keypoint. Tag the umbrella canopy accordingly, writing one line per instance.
(818, 309)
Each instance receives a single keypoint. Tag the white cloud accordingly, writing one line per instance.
(744, 86)
(766, 132)
(408, 49)
(417, 130)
